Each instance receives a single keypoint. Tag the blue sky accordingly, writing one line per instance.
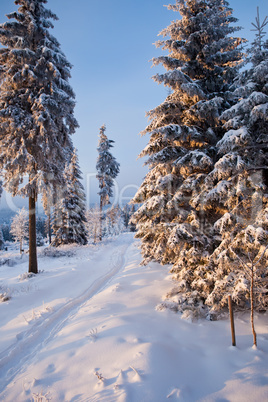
(110, 44)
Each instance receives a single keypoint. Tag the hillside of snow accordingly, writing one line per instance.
(86, 328)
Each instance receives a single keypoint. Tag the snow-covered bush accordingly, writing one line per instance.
(4, 294)
(56, 252)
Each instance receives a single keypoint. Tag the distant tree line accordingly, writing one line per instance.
(115, 220)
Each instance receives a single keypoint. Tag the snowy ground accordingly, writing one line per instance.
(86, 329)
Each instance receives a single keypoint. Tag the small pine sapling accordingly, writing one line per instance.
(99, 376)
(252, 261)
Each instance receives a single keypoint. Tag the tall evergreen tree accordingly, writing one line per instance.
(201, 63)
(107, 170)
(69, 213)
(239, 185)
(36, 107)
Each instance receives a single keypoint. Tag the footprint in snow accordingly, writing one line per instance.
(50, 368)
(117, 288)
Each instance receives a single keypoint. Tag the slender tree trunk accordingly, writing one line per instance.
(232, 320)
(95, 234)
(21, 246)
(32, 237)
(100, 233)
(252, 306)
(49, 227)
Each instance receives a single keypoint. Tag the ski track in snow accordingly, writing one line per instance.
(109, 343)
(19, 355)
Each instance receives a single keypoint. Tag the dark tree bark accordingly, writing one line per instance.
(101, 206)
(33, 268)
(252, 306)
(49, 227)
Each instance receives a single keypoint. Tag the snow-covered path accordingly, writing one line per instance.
(29, 342)
(98, 337)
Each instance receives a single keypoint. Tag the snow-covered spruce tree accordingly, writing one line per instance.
(107, 170)
(19, 227)
(41, 226)
(6, 232)
(2, 241)
(36, 107)
(126, 215)
(131, 224)
(114, 221)
(93, 216)
(239, 186)
(69, 226)
(201, 65)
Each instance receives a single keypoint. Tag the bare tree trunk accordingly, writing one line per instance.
(49, 227)
(232, 320)
(95, 234)
(100, 233)
(33, 268)
(252, 306)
